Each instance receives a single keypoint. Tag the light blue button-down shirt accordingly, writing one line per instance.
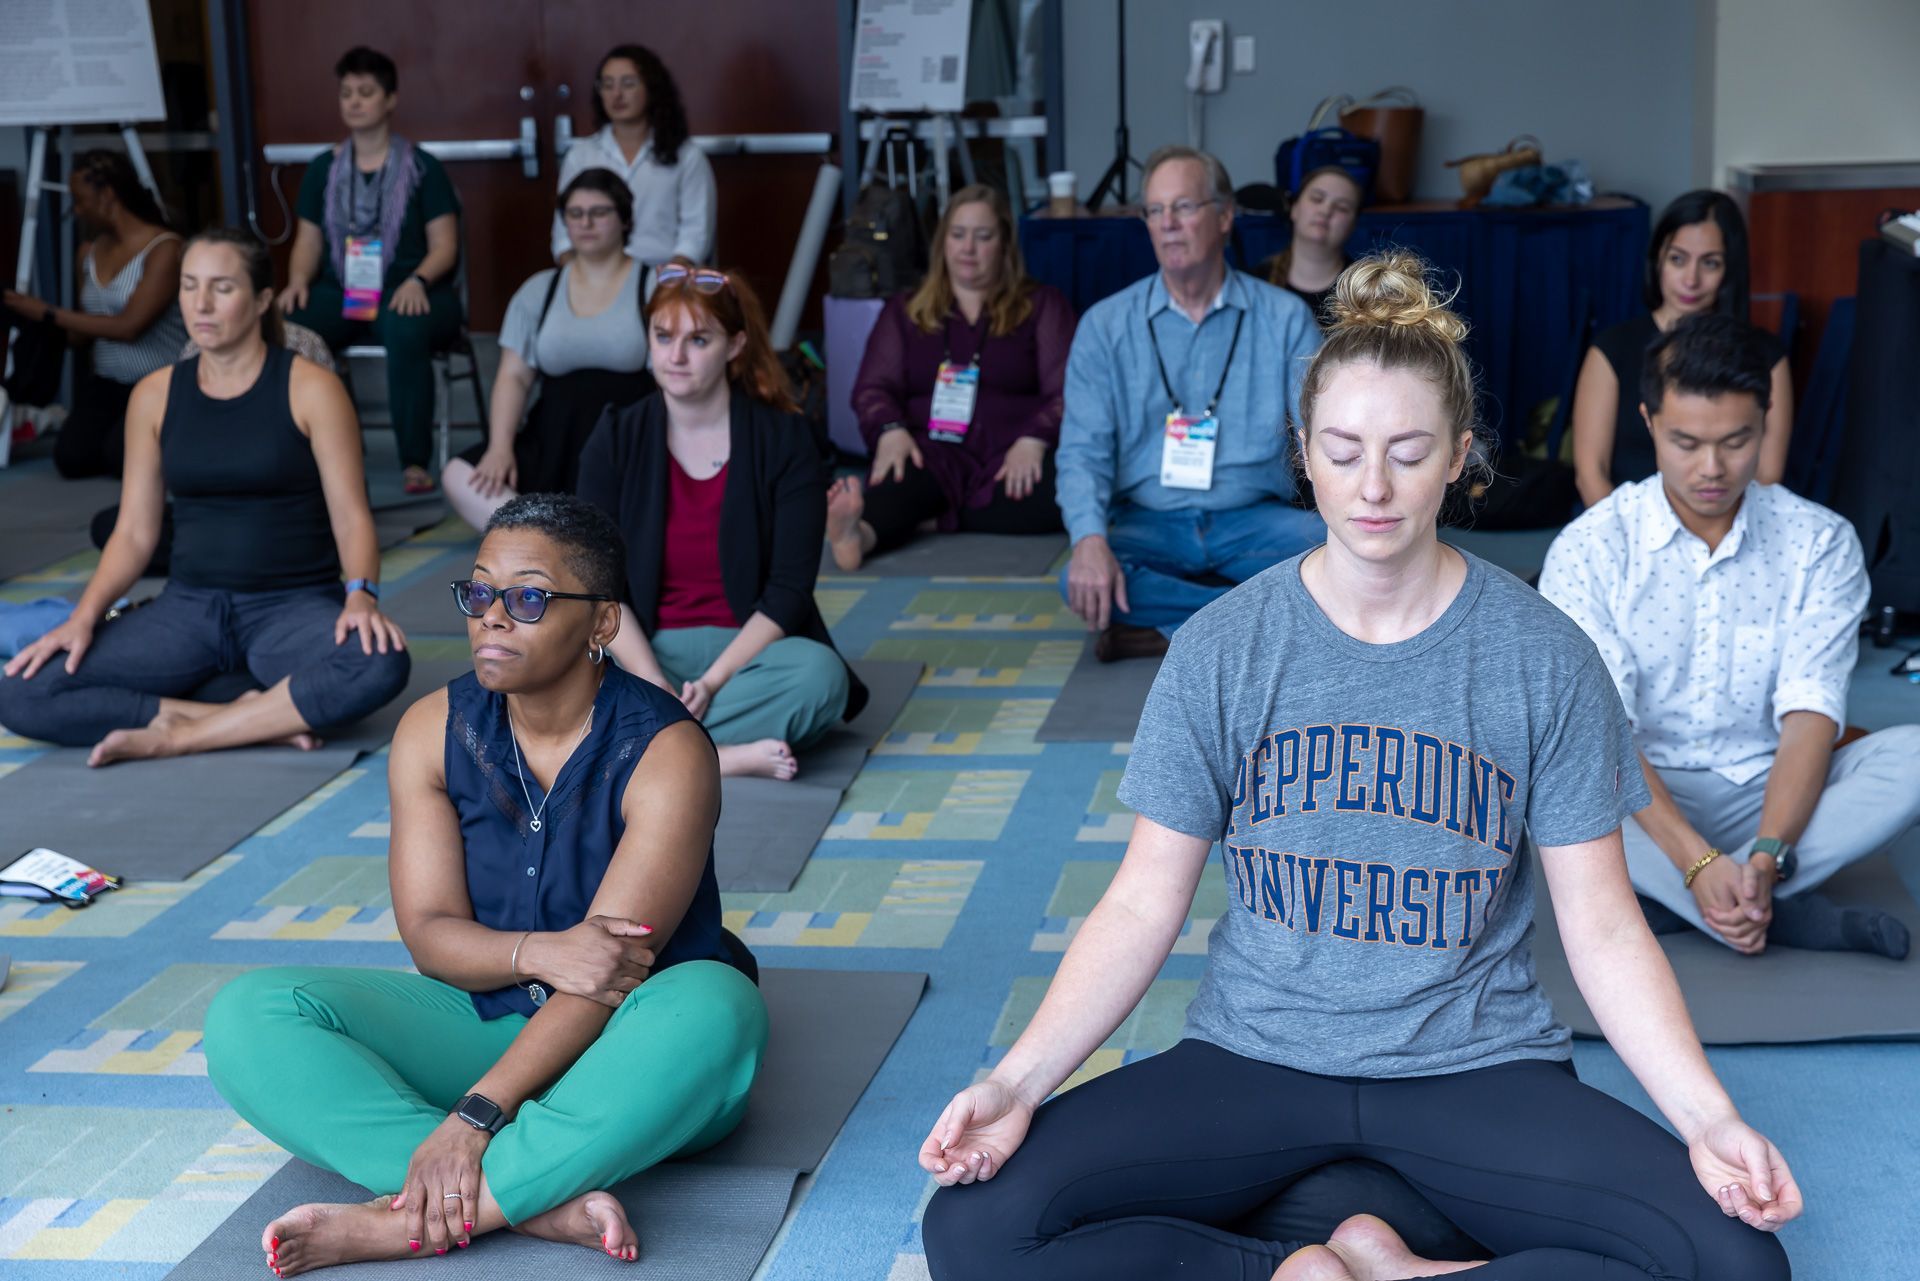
(1116, 406)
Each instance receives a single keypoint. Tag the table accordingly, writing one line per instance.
(1534, 283)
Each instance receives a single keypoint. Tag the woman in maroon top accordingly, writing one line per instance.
(959, 395)
(716, 485)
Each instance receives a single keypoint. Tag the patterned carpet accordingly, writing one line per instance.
(965, 849)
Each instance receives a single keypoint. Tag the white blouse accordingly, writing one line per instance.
(673, 205)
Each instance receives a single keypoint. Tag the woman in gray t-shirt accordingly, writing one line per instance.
(578, 334)
(1368, 732)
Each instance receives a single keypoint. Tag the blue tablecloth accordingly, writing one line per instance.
(1529, 279)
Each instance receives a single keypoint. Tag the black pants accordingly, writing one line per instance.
(1146, 1171)
(93, 439)
(895, 508)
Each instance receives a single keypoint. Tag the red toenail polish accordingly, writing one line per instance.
(469, 1225)
(461, 1244)
(414, 1246)
(441, 1250)
(276, 1243)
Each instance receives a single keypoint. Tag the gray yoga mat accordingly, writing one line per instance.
(425, 607)
(1782, 996)
(708, 1218)
(44, 518)
(165, 820)
(962, 555)
(1101, 702)
(768, 828)
(694, 1223)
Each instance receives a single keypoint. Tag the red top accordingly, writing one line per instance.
(691, 593)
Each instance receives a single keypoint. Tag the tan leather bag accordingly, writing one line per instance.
(1478, 172)
(1392, 118)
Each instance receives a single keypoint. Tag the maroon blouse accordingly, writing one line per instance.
(1021, 378)
(691, 593)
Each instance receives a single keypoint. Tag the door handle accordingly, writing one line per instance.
(562, 135)
(529, 147)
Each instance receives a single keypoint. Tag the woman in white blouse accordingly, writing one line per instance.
(643, 137)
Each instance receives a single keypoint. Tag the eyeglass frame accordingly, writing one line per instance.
(604, 83)
(590, 216)
(547, 597)
(697, 278)
(1149, 215)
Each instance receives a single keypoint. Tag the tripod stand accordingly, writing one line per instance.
(1116, 175)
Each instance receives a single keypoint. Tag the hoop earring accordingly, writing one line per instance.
(596, 654)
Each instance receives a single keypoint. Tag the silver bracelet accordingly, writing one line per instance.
(513, 963)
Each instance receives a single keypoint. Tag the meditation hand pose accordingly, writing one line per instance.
(959, 395)
(129, 275)
(579, 1014)
(716, 484)
(376, 250)
(1373, 731)
(574, 341)
(1728, 612)
(261, 452)
(1174, 476)
(1696, 264)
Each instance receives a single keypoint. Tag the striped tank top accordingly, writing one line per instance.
(129, 362)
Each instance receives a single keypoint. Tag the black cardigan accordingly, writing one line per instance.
(773, 515)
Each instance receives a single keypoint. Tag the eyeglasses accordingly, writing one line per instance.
(594, 214)
(704, 279)
(606, 84)
(523, 604)
(1181, 210)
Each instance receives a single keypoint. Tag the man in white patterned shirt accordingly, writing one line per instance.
(1729, 614)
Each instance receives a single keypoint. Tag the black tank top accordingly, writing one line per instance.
(249, 514)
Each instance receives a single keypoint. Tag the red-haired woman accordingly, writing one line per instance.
(716, 484)
(959, 395)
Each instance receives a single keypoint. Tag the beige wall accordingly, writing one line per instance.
(1814, 80)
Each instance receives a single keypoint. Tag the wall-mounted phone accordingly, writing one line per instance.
(1207, 62)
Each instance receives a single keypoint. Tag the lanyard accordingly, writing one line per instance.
(1224, 370)
(979, 343)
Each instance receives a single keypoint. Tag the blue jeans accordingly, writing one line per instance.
(1164, 553)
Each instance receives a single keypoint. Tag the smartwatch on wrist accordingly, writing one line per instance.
(366, 585)
(482, 1113)
(1784, 862)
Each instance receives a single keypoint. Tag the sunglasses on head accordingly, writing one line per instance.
(705, 279)
(523, 604)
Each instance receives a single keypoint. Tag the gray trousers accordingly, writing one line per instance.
(1872, 796)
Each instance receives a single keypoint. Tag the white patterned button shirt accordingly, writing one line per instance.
(1711, 649)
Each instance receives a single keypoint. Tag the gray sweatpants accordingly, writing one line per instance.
(1872, 796)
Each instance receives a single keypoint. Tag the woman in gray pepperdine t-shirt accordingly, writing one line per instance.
(1368, 731)
(578, 333)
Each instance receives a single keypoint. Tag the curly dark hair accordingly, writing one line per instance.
(666, 115)
(594, 548)
(114, 171)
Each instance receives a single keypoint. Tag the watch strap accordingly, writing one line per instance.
(366, 585)
(482, 1113)
(1781, 852)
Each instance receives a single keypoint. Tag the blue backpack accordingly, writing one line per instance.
(1319, 147)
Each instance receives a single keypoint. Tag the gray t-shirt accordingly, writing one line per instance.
(1369, 802)
(614, 339)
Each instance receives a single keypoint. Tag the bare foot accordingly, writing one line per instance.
(151, 743)
(845, 503)
(1314, 1263)
(320, 1236)
(595, 1219)
(768, 758)
(1373, 1251)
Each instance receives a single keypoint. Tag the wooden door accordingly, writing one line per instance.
(473, 71)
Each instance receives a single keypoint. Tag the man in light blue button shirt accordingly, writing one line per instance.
(1158, 518)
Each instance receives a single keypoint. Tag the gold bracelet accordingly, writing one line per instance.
(1700, 866)
(513, 963)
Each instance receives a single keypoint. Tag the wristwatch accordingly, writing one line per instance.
(366, 585)
(1784, 862)
(896, 427)
(482, 1113)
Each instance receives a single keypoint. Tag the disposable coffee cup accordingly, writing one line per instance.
(1060, 191)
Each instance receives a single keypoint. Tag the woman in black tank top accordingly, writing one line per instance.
(261, 452)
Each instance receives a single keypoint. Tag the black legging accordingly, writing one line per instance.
(93, 439)
(895, 508)
(1143, 1171)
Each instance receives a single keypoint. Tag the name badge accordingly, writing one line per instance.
(365, 275)
(1186, 454)
(955, 388)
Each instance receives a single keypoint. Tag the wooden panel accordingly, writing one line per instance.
(1808, 243)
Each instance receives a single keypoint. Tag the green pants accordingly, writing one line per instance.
(351, 1069)
(410, 342)
(794, 690)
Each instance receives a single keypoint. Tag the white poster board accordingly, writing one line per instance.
(73, 62)
(911, 55)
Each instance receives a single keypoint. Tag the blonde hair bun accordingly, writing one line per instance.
(1393, 290)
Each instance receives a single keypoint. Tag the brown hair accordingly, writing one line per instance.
(1011, 300)
(259, 267)
(1281, 263)
(736, 309)
(1386, 312)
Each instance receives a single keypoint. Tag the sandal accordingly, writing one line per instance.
(417, 480)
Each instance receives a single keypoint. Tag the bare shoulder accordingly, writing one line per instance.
(149, 398)
(419, 742)
(679, 763)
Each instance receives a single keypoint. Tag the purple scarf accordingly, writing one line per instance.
(398, 177)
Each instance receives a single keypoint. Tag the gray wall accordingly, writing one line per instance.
(1612, 84)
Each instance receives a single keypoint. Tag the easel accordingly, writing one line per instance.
(37, 184)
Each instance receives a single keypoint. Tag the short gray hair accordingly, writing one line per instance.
(1216, 172)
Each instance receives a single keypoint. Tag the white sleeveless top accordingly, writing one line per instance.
(129, 362)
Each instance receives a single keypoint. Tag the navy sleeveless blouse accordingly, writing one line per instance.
(520, 879)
